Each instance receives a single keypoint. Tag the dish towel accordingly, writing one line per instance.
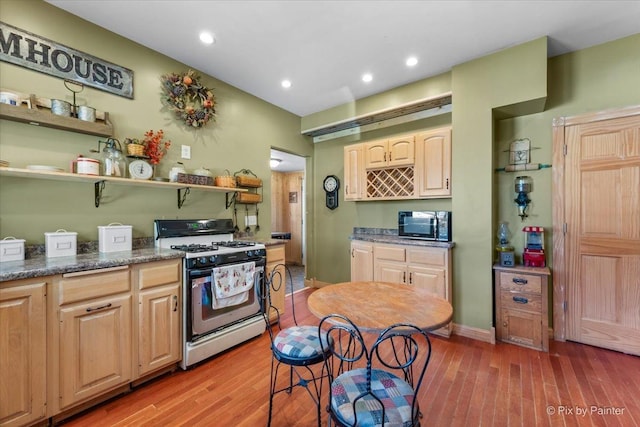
(231, 284)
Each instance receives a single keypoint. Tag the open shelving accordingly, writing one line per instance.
(101, 181)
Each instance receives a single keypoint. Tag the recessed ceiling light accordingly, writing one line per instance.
(412, 61)
(286, 84)
(206, 38)
(367, 78)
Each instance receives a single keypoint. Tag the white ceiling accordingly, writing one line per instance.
(324, 47)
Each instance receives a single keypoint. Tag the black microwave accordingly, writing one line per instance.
(425, 225)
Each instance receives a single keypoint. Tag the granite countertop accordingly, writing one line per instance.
(390, 235)
(40, 265)
(267, 241)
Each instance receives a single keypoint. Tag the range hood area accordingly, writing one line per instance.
(404, 113)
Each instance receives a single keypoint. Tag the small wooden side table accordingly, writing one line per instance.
(521, 298)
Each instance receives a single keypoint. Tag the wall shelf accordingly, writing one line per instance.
(44, 117)
(101, 181)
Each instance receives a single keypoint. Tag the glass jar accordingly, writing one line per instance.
(177, 168)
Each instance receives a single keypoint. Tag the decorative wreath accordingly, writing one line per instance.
(188, 99)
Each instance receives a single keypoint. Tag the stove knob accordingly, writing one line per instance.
(213, 258)
(202, 260)
(250, 253)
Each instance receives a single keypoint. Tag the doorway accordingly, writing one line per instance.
(597, 230)
(288, 210)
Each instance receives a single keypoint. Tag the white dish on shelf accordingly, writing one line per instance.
(44, 168)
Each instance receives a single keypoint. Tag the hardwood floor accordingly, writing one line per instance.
(468, 383)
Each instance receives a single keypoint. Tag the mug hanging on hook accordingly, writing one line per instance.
(74, 111)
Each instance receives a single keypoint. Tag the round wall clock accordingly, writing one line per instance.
(331, 184)
(140, 169)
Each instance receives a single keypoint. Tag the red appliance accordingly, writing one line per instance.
(534, 247)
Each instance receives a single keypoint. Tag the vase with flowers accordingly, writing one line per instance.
(155, 146)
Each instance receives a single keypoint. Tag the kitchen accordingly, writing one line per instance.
(31, 207)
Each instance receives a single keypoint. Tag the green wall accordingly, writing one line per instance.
(487, 94)
(245, 130)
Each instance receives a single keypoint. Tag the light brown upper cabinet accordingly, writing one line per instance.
(398, 151)
(354, 176)
(416, 166)
(433, 163)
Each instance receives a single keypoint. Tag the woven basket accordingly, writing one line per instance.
(135, 149)
(249, 198)
(225, 181)
(248, 181)
(228, 181)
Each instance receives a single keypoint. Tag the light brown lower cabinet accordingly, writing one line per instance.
(69, 341)
(521, 306)
(422, 266)
(23, 345)
(92, 337)
(159, 314)
(275, 261)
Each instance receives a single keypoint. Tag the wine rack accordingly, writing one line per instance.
(394, 182)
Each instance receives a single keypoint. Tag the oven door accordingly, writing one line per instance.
(209, 310)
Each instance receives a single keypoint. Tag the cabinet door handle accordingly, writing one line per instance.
(90, 309)
(352, 256)
(404, 277)
(175, 303)
(520, 281)
(520, 300)
(447, 183)
(411, 278)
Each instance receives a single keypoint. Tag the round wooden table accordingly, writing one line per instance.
(373, 306)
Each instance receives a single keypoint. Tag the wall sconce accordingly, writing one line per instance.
(523, 186)
(274, 162)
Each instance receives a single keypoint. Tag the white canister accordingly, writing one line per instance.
(11, 249)
(60, 243)
(175, 170)
(86, 166)
(114, 237)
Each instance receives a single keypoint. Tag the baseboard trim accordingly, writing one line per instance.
(315, 283)
(488, 336)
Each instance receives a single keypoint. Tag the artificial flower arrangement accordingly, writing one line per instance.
(190, 100)
(155, 146)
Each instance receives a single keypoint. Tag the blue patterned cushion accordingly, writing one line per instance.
(299, 343)
(396, 395)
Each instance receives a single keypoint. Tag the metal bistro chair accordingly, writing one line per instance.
(384, 392)
(296, 347)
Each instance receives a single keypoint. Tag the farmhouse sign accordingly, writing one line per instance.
(28, 50)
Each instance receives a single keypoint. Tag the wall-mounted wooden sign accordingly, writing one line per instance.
(28, 50)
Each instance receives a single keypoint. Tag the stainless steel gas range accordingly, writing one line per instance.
(222, 278)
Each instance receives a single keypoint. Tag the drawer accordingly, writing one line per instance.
(85, 285)
(520, 282)
(520, 301)
(159, 273)
(392, 253)
(427, 256)
(275, 253)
